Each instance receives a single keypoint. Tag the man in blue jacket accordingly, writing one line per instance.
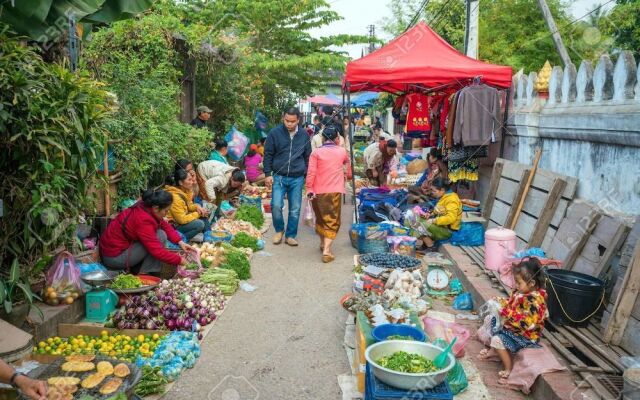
(286, 157)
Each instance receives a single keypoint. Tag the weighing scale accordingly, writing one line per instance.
(439, 281)
(100, 301)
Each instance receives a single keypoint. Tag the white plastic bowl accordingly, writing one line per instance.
(403, 380)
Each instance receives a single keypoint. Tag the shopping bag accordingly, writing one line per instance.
(309, 217)
(456, 377)
(64, 276)
(194, 268)
(435, 328)
(237, 144)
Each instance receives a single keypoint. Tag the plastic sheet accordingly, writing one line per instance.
(179, 350)
(470, 234)
(456, 377)
(238, 143)
(436, 328)
(463, 302)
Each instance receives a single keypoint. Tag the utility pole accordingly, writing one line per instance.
(472, 29)
(557, 39)
(372, 37)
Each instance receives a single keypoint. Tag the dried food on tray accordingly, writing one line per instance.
(111, 386)
(92, 380)
(105, 368)
(63, 380)
(81, 357)
(121, 370)
(77, 366)
(55, 394)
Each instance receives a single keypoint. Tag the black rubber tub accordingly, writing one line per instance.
(573, 298)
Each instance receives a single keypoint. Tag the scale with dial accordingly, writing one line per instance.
(439, 281)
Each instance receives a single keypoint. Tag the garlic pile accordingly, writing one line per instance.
(403, 283)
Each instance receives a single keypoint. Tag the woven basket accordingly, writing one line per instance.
(369, 246)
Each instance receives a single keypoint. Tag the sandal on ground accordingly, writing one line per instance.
(327, 258)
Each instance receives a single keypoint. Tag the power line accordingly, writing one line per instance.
(417, 15)
(435, 21)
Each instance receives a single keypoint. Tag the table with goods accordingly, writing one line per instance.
(398, 335)
(140, 331)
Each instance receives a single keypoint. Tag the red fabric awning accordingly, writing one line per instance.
(420, 57)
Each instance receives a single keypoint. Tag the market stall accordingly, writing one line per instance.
(440, 94)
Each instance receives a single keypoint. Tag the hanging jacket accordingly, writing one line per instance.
(448, 211)
(183, 210)
(284, 156)
(138, 224)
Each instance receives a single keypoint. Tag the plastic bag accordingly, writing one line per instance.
(227, 210)
(403, 245)
(463, 302)
(469, 234)
(255, 201)
(260, 122)
(238, 143)
(435, 328)
(193, 256)
(309, 217)
(64, 276)
(456, 377)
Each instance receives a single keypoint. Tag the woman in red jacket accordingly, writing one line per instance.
(137, 236)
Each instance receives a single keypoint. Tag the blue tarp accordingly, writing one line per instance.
(365, 99)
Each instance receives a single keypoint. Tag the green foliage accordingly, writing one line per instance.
(237, 261)
(242, 239)
(52, 125)
(511, 32)
(623, 23)
(138, 60)
(16, 288)
(252, 214)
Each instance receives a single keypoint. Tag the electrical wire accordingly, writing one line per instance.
(435, 21)
(417, 15)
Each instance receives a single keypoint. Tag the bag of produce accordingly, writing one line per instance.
(194, 267)
(309, 217)
(255, 201)
(64, 285)
(403, 245)
(238, 144)
(438, 329)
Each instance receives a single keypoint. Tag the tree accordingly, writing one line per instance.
(623, 23)
(445, 17)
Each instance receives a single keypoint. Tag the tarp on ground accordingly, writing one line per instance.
(419, 57)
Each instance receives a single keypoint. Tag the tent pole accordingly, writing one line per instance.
(353, 164)
(504, 122)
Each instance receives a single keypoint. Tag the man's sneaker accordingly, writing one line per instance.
(277, 239)
(199, 238)
(291, 242)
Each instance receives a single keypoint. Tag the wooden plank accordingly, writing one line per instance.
(615, 245)
(544, 220)
(588, 348)
(597, 386)
(507, 190)
(516, 205)
(493, 188)
(525, 226)
(596, 343)
(499, 212)
(625, 301)
(527, 186)
(548, 239)
(627, 249)
(543, 179)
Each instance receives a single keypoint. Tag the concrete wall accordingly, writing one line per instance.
(589, 127)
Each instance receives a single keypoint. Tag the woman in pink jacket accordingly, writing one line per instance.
(325, 186)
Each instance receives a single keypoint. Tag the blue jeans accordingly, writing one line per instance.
(194, 227)
(292, 187)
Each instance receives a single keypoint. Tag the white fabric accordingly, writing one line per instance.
(216, 175)
(496, 343)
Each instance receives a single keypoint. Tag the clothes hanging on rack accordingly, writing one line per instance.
(418, 118)
(478, 119)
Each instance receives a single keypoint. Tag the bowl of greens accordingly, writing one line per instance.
(407, 364)
(397, 332)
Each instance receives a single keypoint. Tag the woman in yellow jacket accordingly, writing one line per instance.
(189, 218)
(446, 216)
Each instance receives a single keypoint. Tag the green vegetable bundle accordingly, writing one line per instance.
(151, 382)
(236, 260)
(250, 214)
(226, 279)
(126, 281)
(242, 239)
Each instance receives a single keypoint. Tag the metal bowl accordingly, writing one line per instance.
(99, 278)
(403, 380)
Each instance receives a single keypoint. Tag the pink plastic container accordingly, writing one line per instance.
(499, 246)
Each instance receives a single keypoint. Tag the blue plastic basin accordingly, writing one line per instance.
(382, 332)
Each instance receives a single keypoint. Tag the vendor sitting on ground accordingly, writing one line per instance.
(378, 160)
(446, 216)
(135, 240)
(218, 181)
(220, 151)
(253, 165)
(188, 217)
(421, 192)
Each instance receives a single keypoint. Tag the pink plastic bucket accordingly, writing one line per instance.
(499, 246)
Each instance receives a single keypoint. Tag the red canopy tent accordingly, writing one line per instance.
(419, 57)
